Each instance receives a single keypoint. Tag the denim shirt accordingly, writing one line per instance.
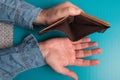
(27, 55)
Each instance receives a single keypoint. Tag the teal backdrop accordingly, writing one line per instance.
(109, 68)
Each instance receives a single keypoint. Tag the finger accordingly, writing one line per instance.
(82, 40)
(69, 73)
(72, 5)
(70, 11)
(81, 62)
(85, 53)
(67, 11)
(68, 4)
(85, 45)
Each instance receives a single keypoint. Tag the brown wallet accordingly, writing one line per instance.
(77, 27)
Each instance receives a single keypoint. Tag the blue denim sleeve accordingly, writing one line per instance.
(18, 12)
(20, 58)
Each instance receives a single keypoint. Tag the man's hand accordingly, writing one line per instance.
(61, 52)
(48, 16)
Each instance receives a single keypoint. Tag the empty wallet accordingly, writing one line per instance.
(77, 27)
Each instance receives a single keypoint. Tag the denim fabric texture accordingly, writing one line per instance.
(27, 55)
(18, 12)
(17, 59)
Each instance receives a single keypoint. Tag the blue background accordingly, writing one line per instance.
(109, 68)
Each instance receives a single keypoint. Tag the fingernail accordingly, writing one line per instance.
(88, 39)
(97, 62)
(95, 43)
(99, 50)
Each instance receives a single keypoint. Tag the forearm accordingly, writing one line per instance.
(18, 12)
(17, 59)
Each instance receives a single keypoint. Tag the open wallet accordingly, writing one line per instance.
(77, 27)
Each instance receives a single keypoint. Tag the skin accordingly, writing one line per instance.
(48, 16)
(61, 52)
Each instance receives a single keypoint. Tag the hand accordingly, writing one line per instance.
(61, 52)
(48, 16)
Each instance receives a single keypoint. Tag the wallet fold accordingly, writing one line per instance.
(77, 27)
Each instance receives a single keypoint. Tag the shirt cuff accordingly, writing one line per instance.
(26, 14)
(30, 55)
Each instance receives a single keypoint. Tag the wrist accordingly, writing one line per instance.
(40, 20)
(43, 49)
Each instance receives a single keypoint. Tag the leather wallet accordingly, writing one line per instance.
(77, 27)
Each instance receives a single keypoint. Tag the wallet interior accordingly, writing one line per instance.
(77, 27)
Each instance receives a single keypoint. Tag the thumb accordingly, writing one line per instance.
(71, 11)
(69, 73)
(68, 11)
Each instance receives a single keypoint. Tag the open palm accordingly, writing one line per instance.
(61, 52)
